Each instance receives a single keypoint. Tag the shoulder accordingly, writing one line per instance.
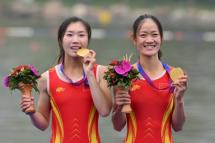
(50, 71)
(44, 79)
(44, 76)
(53, 68)
(43, 82)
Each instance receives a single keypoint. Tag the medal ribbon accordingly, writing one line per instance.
(84, 79)
(150, 82)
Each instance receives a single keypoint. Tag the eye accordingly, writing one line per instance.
(82, 35)
(143, 35)
(155, 34)
(69, 34)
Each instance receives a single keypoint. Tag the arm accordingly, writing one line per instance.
(100, 93)
(178, 117)
(40, 118)
(119, 118)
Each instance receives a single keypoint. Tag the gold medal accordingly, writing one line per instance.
(176, 73)
(83, 52)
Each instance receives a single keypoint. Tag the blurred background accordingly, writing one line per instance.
(28, 35)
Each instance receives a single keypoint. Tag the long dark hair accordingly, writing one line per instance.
(62, 30)
(138, 22)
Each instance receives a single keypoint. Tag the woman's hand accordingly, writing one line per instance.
(180, 87)
(121, 97)
(178, 117)
(27, 102)
(89, 61)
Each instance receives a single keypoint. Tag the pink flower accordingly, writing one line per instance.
(123, 68)
(121, 74)
(34, 70)
(5, 81)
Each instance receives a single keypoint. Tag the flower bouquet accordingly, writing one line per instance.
(120, 74)
(23, 78)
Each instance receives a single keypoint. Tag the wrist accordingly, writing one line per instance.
(117, 108)
(179, 101)
(31, 114)
(179, 97)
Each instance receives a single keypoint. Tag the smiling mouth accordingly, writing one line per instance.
(149, 46)
(75, 47)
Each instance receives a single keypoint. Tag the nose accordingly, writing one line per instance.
(75, 39)
(149, 39)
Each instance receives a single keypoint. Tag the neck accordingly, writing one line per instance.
(73, 65)
(151, 65)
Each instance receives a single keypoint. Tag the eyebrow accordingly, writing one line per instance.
(153, 31)
(81, 31)
(76, 31)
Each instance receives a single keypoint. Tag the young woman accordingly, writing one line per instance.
(73, 91)
(158, 104)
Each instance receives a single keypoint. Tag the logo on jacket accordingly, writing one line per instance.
(60, 89)
(135, 87)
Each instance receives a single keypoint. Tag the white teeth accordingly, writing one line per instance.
(75, 47)
(149, 46)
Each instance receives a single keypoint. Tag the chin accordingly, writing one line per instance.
(149, 54)
(73, 55)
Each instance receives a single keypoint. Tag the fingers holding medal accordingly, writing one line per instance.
(88, 58)
(177, 74)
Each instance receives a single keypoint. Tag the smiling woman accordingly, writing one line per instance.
(74, 90)
(157, 101)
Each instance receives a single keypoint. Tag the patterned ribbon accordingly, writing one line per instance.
(148, 79)
(77, 83)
